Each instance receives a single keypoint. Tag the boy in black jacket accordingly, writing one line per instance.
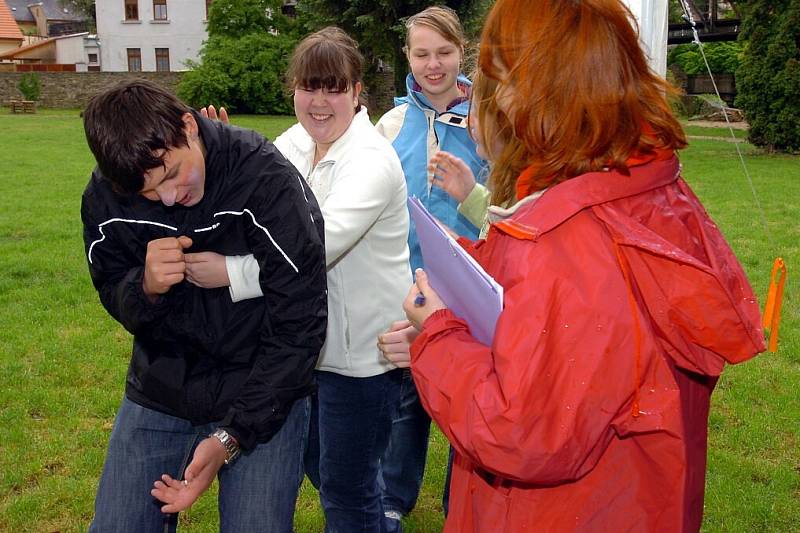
(207, 377)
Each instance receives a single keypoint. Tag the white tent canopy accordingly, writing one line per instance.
(653, 19)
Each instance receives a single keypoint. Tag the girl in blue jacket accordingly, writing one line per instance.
(431, 118)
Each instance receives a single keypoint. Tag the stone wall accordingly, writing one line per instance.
(73, 89)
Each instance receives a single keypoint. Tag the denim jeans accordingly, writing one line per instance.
(256, 493)
(350, 423)
(403, 463)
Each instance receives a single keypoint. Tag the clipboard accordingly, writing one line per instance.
(461, 283)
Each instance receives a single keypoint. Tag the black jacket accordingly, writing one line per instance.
(196, 354)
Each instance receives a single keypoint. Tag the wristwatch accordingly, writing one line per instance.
(230, 444)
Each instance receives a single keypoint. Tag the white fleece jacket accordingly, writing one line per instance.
(361, 190)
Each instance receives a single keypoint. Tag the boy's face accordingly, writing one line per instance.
(181, 180)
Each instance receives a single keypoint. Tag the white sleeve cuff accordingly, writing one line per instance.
(243, 272)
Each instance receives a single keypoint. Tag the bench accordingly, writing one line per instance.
(23, 106)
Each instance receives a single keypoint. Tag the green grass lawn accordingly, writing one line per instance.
(63, 360)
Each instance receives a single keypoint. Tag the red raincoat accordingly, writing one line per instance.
(590, 409)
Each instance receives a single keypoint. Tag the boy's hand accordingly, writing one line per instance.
(164, 265)
(179, 495)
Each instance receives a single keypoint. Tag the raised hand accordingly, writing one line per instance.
(452, 174)
(211, 112)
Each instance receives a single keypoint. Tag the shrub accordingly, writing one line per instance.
(244, 74)
(768, 81)
(723, 57)
(244, 59)
(29, 86)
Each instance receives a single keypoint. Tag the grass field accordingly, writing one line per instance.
(63, 360)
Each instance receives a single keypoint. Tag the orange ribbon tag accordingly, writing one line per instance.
(772, 309)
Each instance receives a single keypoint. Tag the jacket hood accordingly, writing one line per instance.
(683, 274)
(417, 98)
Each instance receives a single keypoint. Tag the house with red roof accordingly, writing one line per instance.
(77, 52)
(46, 18)
(10, 34)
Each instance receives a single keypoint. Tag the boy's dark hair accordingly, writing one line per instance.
(126, 124)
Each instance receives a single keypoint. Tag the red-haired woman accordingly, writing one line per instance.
(622, 300)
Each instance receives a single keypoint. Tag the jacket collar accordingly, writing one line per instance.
(305, 144)
(340, 146)
(211, 134)
(208, 132)
(418, 99)
(562, 201)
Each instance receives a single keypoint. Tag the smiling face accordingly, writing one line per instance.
(325, 113)
(435, 64)
(181, 179)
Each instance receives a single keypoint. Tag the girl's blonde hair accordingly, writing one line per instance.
(442, 20)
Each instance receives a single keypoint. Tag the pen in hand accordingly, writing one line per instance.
(419, 301)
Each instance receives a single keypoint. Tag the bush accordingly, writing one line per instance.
(768, 81)
(243, 61)
(29, 86)
(723, 57)
(244, 74)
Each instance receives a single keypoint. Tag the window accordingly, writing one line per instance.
(162, 59)
(131, 9)
(159, 9)
(134, 60)
(92, 58)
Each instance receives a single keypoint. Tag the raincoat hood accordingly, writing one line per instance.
(699, 331)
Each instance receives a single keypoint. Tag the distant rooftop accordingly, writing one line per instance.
(8, 27)
(53, 10)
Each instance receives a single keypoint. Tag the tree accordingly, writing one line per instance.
(243, 60)
(237, 18)
(675, 12)
(723, 57)
(85, 8)
(379, 25)
(768, 80)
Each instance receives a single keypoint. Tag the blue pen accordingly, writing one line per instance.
(419, 300)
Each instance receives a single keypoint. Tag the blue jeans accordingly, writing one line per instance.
(350, 423)
(256, 493)
(403, 463)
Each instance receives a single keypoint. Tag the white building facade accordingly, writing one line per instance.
(80, 49)
(150, 35)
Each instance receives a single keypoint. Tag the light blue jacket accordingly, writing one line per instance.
(417, 131)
